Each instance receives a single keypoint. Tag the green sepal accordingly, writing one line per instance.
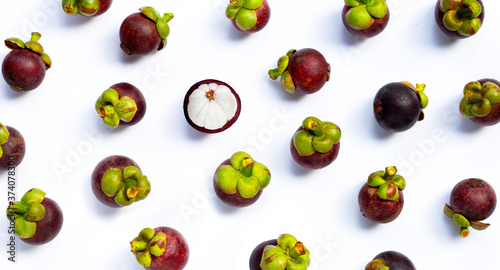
(377, 264)
(150, 12)
(286, 241)
(470, 27)
(289, 254)
(491, 92)
(132, 173)
(14, 43)
(34, 195)
(226, 178)
(232, 10)
(283, 64)
(477, 225)
(126, 109)
(252, 4)
(4, 134)
(34, 47)
(388, 191)
(246, 18)
(377, 9)
(237, 160)
(322, 144)
(108, 97)
(446, 5)
(359, 18)
(460, 220)
(478, 99)
(302, 141)
(144, 258)
(157, 244)
(451, 21)
(376, 179)
(46, 59)
(333, 131)
(1, 152)
(424, 100)
(36, 212)
(352, 3)
(448, 211)
(143, 188)
(287, 82)
(163, 28)
(273, 258)
(148, 244)
(248, 187)
(112, 182)
(261, 172)
(24, 228)
(122, 199)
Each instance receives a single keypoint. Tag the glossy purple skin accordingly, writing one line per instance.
(235, 200)
(126, 89)
(15, 147)
(309, 70)
(110, 162)
(139, 36)
(49, 226)
(176, 252)
(397, 107)
(23, 70)
(438, 15)
(202, 129)
(494, 116)
(473, 198)
(396, 260)
(104, 6)
(376, 209)
(376, 28)
(263, 15)
(256, 255)
(316, 160)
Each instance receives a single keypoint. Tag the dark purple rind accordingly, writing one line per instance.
(15, 147)
(494, 116)
(138, 35)
(256, 256)
(202, 129)
(376, 28)
(126, 89)
(235, 200)
(49, 226)
(438, 15)
(263, 15)
(473, 198)
(23, 70)
(396, 107)
(395, 260)
(316, 160)
(115, 161)
(309, 70)
(104, 6)
(176, 253)
(376, 209)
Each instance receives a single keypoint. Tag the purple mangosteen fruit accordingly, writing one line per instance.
(471, 201)
(315, 144)
(459, 18)
(88, 8)
(12, 148)
(37, 218)
(481, 102)
(211, 106)
(280, 254)
(365, 18)
(398, 106)
(239, 180)
(381, 198)
(248, 16)
(305, 71)
(24, 67)
(121, 104)
(160, 248)
(144, 32)
(390, 260)
(117, 181)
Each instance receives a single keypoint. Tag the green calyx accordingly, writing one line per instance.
(125, 186)
(316, 136)
(147, 245)
(388, 182)
(377, 264)
(478, 99)
(461, 16)
(32, 45)
(289, 254)
(161, 23)
(27, 212)
(113, 109)
(84, 7)
(363, 13)
(463, 222)
(419, 91)
(4, 136)
(243, 176)
(282, 70)
(243, 12)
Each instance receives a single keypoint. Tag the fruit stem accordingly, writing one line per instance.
(35, 36)
(233, 1)
(297, 251)
(168, 16)
(390, 172)
(274, 73)
(138, 246)
(464, 232)
(69, 5)
(247, 169)
(315, 127)
(465, 12)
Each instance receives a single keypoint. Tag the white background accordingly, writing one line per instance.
(66, 139)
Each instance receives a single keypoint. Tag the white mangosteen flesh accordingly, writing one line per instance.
(211, 106)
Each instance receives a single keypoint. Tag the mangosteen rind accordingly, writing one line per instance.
(27, 212)
(161, 22)
(363, 13)
(287, 254)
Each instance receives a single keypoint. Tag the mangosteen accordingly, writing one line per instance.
(280, 254)
(37, 218)
(471, 201)
(248, 16)
(117, 181)
(211, 106)
(12, 147)
(24, 67)
(481, 102)
(88, 8)
(365, 18)
(315, 144)
(305, 71)
(459, 18)
(160, 248)
(145, 32)
(239, 180)
(121, 104)
(398, 106)
(390, 260)
(381, 198)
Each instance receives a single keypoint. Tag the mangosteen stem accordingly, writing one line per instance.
(168, 16)
(390, 172)
(315, 127)
(138, 246)
(274, 74)
(247, 169)
(69, 5)
(297, 251)
(464, 231)
(465, 12)
(35, 36)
